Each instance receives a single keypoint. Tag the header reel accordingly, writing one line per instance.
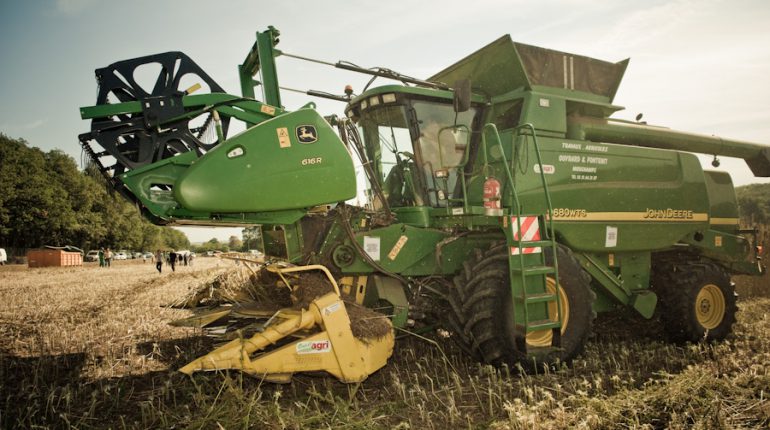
(135, 138)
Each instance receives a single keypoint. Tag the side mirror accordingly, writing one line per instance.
(462, 97)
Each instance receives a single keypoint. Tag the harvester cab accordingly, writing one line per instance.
(417, 141)
(504, 204)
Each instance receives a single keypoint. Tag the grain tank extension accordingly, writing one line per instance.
(504, 204)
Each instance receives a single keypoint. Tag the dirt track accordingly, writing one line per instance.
(104, 311)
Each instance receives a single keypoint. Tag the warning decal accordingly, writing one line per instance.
(530, 231)
(267, 109)
(372, 247)
(611, 238)
(397, 247)
(283, 137)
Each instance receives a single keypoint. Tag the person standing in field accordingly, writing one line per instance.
(159, 260)
(172, 260)
(108, 257)
(101, 257)
(190, 258)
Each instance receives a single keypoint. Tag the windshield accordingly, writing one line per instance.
(417, 150)
(386, 133)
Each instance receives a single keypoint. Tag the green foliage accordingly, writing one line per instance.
(754, 202)
(173, 239)
(46, 200)
(252, 238)
(235, 243)
(212, 245)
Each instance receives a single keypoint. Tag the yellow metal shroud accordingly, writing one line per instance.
(333, 349)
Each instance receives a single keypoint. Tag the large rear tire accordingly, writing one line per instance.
(697, 301)
(482, 311)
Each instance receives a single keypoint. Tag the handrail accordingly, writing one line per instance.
(517, 205)
(517, 208)
(508, 175)
(549, 205)
(549, 209)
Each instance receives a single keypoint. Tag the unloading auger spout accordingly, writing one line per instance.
(757, 156)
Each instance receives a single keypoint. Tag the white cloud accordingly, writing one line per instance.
(32, 125)
(21, 127)
(640, 28)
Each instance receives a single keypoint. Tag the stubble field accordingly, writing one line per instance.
(91, 348)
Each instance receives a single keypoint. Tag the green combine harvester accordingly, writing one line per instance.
(504, 204)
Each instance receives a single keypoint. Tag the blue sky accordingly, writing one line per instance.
(699, 66)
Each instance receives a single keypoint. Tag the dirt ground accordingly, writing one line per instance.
(104, 311)
(90, 347)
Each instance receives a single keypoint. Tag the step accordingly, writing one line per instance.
(539, 298)
(534, 270)
(541, 325)
(532, 243)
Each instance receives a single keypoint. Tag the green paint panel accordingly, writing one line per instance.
(547, 111)
(635, 269)
(398, 248)
(610, 198)
(153, 184)
(504, 65)
(268, 167)
(723, 201)
(401, 246)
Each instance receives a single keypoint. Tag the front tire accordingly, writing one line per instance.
(482, 311)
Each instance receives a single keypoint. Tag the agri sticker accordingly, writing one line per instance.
(314, 347)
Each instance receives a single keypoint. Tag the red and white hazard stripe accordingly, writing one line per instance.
(530, 231)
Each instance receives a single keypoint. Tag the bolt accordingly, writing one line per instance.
(705, 306)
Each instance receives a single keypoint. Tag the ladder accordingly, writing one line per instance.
(527, 235)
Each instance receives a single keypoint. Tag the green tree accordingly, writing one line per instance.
(46, 200)
(212, 244)
(754, 202)
(151, 237)
(30, 201)
(174, 239)
(252, 238)
(235, 243)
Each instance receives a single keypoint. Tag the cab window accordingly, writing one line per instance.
(441, 148)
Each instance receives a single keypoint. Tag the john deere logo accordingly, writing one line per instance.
(306, 134)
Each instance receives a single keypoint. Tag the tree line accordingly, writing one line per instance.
(45, 199)
(251, 238)
(754, 202)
